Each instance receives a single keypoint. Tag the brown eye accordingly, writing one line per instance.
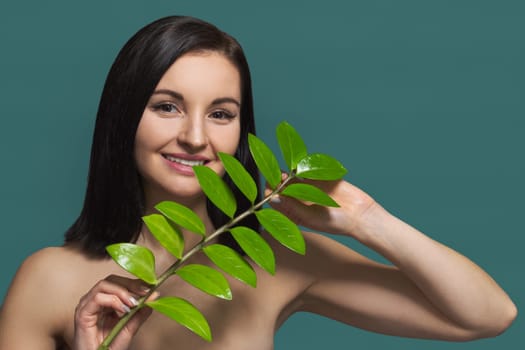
(166, 108)
(221, 115)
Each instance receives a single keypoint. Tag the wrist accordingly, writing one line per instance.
(369, 224)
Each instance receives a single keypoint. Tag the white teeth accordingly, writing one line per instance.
(184, 161)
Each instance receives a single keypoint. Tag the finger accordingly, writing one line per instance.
(135, 286)
(290, 207)
(328, 186)
(103, 300)
(93, 309)
(267, 187)
(138, 320)
(141, 316)
(302, 214)
(107, 287)
(153, 296)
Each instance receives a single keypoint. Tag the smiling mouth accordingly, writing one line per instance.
(186, 162)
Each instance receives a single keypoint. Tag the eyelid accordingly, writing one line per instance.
(156, 106)
(226, 115)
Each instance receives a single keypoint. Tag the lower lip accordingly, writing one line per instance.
(180, 168)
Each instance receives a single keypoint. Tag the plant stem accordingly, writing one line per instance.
(171, 270)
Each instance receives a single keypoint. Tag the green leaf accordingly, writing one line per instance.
(206, 279)
(255, 247)
(265, 160)
(216, 189)
(182, 216)
(306, 192)
(282, 229)
(137, 260)
(320, 167)
(232, 263)
(167, 234)
(291, 144)
(184, 313)
(240, 177)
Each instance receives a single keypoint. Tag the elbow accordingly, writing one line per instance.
(495, 325)
(506, 319)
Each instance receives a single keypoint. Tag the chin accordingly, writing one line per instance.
(184, 192)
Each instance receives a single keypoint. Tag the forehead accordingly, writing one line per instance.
(203, 73)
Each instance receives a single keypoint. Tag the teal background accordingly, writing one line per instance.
(423, 101)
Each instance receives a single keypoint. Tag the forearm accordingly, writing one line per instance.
(456, 286)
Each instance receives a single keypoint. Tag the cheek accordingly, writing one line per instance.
(145, 139)
(141, 140)
(151, 133)
(234, 143)
(231, 141)
(236, 136)
(225, 139)
(140, 153)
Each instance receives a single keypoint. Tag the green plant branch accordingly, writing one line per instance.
(140, 261)
(173, 268)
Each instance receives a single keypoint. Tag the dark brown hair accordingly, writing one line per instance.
(114, 201)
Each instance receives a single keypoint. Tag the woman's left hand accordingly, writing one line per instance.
(428, 281)
(342, 220)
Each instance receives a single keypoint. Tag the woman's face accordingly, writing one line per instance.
(193, 113)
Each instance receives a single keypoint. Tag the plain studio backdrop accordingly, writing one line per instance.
(423, 101)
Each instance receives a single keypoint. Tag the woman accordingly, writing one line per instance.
(178, 93)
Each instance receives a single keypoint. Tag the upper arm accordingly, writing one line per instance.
(29, 317)
(358, 291)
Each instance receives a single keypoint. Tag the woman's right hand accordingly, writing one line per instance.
(101, 308)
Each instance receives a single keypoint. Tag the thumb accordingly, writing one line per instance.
(312, 216)
(138, 320)
(141, 316)
(290, 207)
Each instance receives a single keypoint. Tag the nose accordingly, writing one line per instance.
(193, 134)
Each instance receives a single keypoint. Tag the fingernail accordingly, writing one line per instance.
(125, 308)
(275, 199)
(133, 301)
(144, 288)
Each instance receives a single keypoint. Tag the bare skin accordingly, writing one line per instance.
(433, 293)
(60, 299)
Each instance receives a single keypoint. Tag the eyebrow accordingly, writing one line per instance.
(179, 96)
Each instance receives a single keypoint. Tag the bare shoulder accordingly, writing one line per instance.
(44, 276)
(35, 298)
(49, 268)
(50, 255)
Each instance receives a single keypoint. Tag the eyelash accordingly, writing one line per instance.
(161, 107)
(219, 115)
(223, 115)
